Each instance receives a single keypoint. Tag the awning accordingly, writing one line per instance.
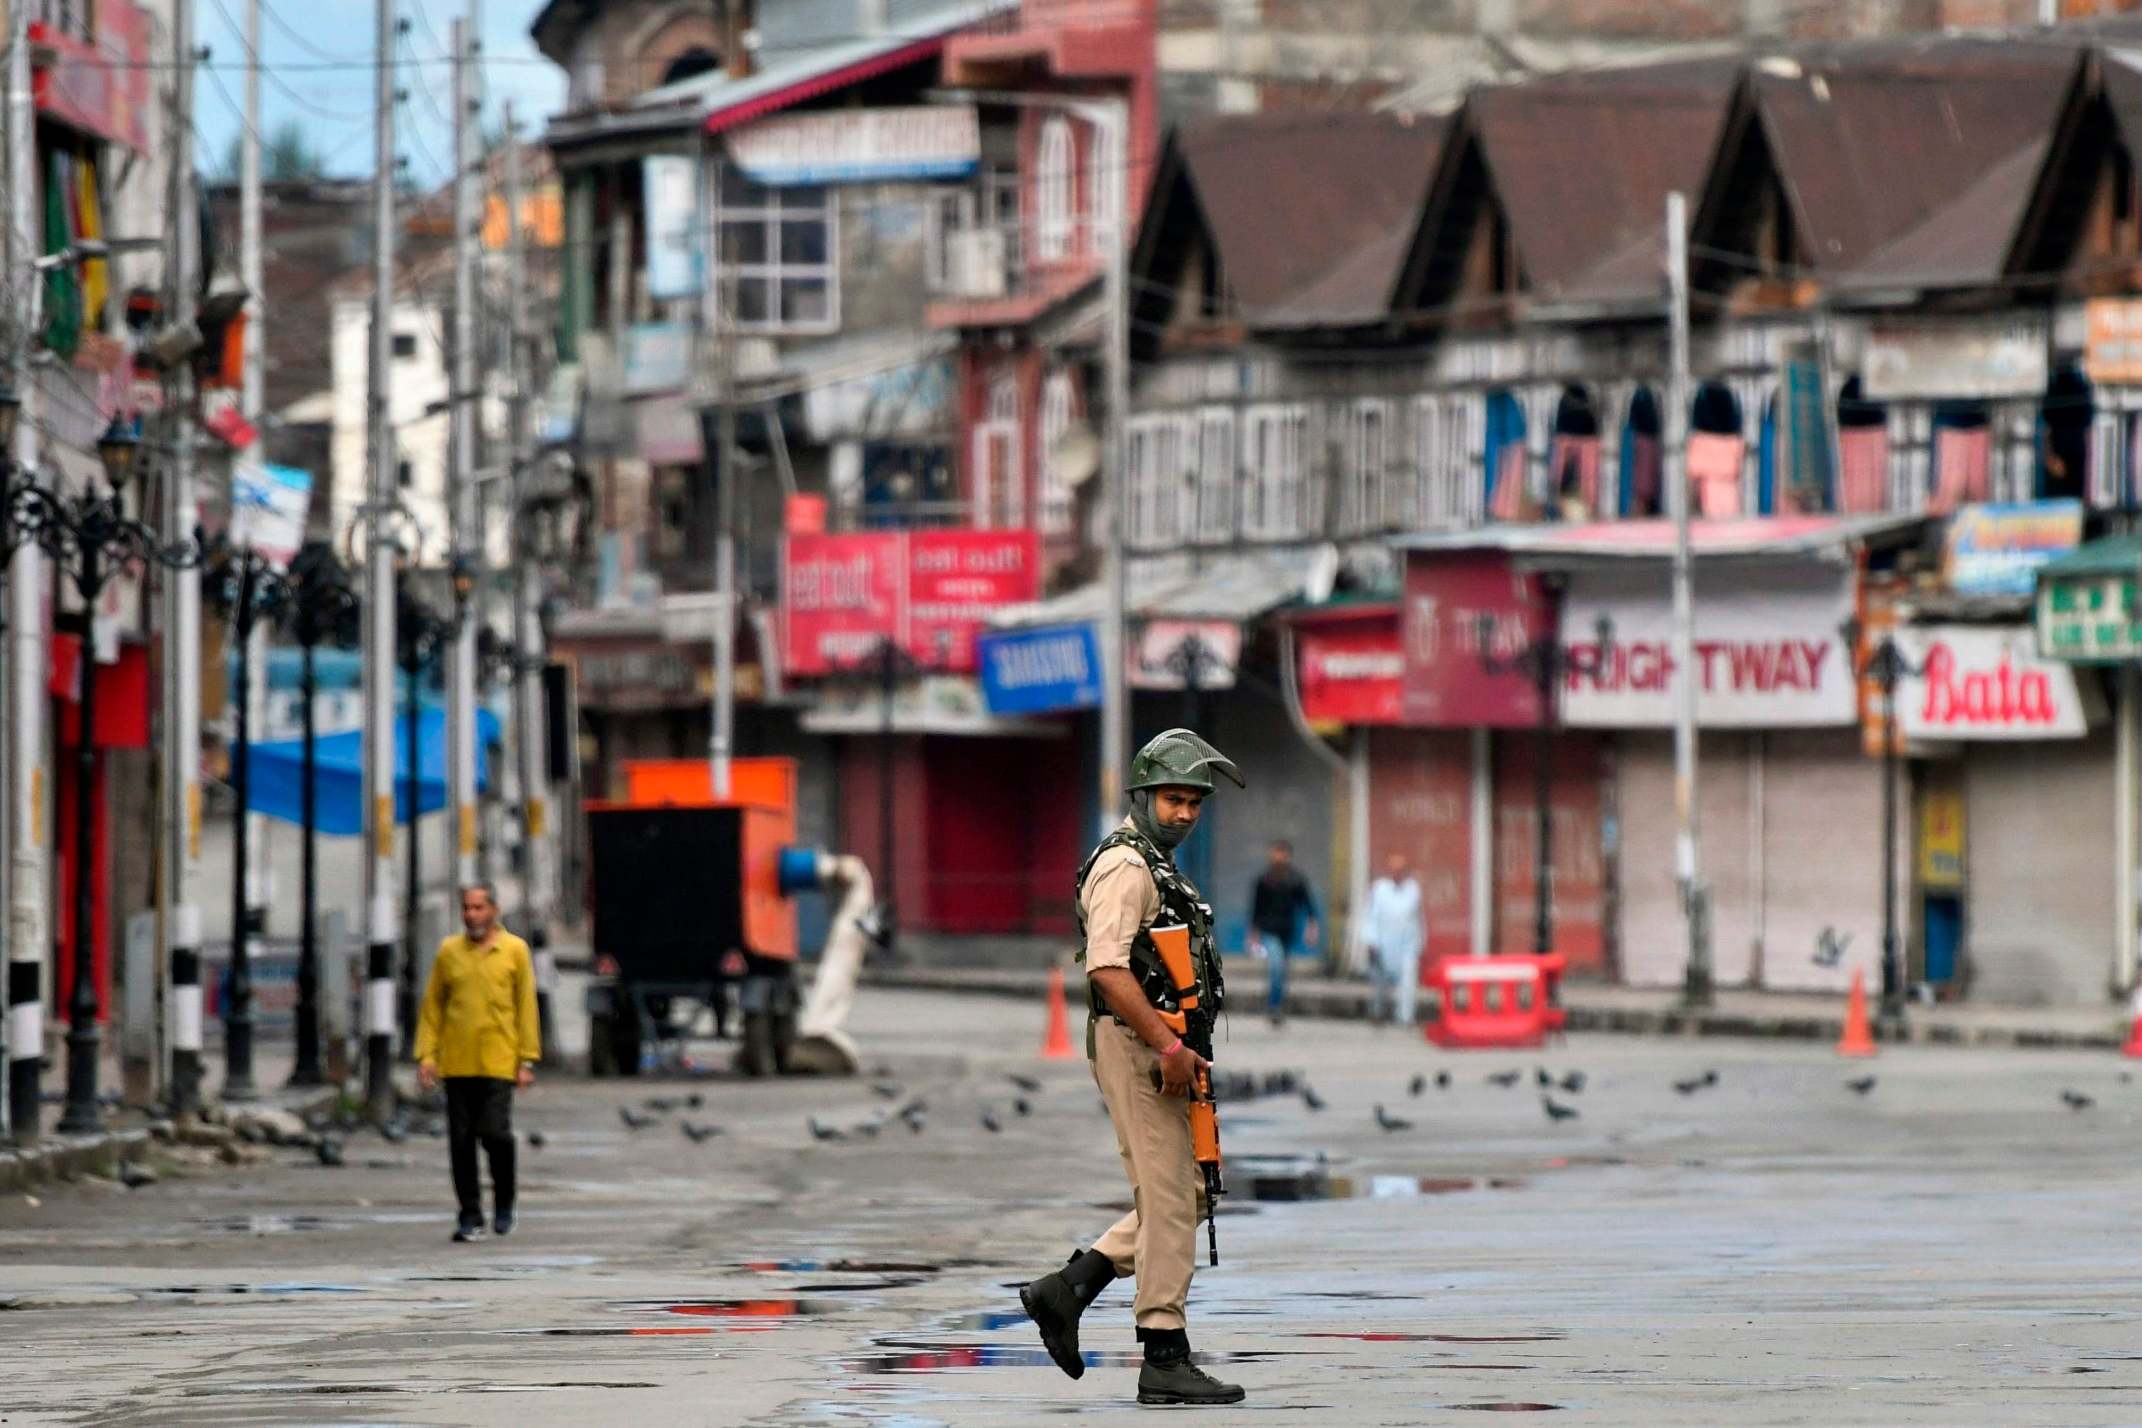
(1654, 539)
(277, 772)
(1238, 586)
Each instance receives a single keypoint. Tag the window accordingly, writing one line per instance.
(1058, 411)
(1273, 448)
(1054, 176)
(782, 246)
(1157, 473)
(1362, 500)
(1443, 494)
(992, 204)
(1104, 199)
(1216, 475)
(999, 481)
(404, 344)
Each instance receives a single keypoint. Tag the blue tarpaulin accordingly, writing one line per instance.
(277, 772)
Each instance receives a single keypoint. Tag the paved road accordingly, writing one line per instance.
(1954, 1247)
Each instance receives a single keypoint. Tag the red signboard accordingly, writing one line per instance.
(929, 591)
(955, 579)
(1352, 667)
(1448, 683)
(100, 86)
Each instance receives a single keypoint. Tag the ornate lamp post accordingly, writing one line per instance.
(323, 610)
(248, 588)
(421, 635)
(1547, 661)
(1887, 666)
(90, 537)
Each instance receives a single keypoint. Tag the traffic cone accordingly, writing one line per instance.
(1858, 1038)
(1056, 1040)
(2133, 1048)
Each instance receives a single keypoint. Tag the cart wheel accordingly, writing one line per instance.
(756, 1058)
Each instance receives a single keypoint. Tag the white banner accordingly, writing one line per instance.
(1984, 682)
(269, 505)
(920, 141)
(1770, 652)
(1164, 650)
(669, 194)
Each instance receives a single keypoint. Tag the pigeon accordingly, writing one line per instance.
(1504, 1079)
(537, 1139)
(886, 1089)
(661, 1105)
(1024, 1083)
(1442, 1080)
(1710, 1077)
(1574, 1083)
(1694, 1084)
(632, 1120)
(1023, 1106)
(1861, 1086)
(695, 1101)
(133, 1176)
(1539, 1074)
(2077, 1101)
(1390, 1122)
(1555, 1110)
(915, 1107)
(822, 1132)
(698, 1135)
(915, 1122)
(870, 1125)
(329, 1151)
(990, 1122)
(1311, 1099)
(394, 1132)
(1418, 1084)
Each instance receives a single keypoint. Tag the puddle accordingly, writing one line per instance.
(272, 1224)
(849, 1266)
(1506, 1407)
(656, 1331)
(1376, 1337)
(1320, 1185)
(731, 1308)
(342, 1390)
(206, 1289)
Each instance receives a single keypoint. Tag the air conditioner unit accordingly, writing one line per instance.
(974, 263)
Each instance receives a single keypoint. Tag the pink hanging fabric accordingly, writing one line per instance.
(1963, 467)
(1714, 473)
(1863, 470)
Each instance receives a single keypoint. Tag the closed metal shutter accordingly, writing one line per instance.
(1822, 861)
(2039, 920)
(1653, 949)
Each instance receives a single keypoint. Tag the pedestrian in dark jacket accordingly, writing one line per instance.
(1283, 916)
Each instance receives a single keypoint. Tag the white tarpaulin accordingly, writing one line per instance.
(1770, 651)
(1984, 682)
(268, 508)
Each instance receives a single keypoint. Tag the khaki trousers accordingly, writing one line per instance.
(1157, 1240)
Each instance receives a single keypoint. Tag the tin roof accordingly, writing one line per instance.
(2110, 555)
(1232, 585)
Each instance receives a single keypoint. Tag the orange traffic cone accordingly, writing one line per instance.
(1858, 1038)
(2133, 1048)
(1056, 1040)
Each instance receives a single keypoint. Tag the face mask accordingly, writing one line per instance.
(1162, 835)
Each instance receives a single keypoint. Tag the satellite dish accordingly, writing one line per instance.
(1075, 456)
(1323, 575)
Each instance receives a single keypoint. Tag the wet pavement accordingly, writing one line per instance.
(1772, 1248)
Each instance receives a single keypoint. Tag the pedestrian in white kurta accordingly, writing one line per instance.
(1393, 936)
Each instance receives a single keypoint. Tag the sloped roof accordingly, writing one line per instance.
(1309, 210)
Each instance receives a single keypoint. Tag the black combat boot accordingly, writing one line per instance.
(1169, 1377)
(1055, 1301)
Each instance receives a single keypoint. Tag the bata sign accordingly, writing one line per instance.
(1769, 652)
(1984, 682)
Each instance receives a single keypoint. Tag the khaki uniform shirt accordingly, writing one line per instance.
(479, 1011)
(1119, 900)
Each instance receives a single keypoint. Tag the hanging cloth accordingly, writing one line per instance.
(96, 277)
(63, 294)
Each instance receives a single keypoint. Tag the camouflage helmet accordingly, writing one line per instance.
(1180, 759)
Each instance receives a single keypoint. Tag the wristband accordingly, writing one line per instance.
(1171, 1048)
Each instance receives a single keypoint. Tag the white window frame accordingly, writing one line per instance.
(1104, 199)
(1274, 445)
(1059, 409)
(1364, 500)
(1218, 461)
(991, 201)
(1446, 475)
(769, 208)
(1055, 189)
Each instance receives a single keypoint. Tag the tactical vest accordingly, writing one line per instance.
(1179, 904)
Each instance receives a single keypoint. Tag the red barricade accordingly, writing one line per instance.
(1495, 1002)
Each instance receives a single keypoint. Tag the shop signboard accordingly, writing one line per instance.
(931, 592)
(1770, 650)
(1983, 682)
(840, 598)
(955, 581)
(1164, 653)
(269, 505)
(936, 142)
(2112, 344)
(1452, 601)
(1955, 360)
(2092, 615)
(669, 185)
(1040, 671)
(1351, 669)
(1997, 549)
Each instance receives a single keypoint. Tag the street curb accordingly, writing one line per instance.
(65, 1158)
(1345, 1004)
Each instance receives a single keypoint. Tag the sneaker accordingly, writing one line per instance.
(503, 1223)
(470, 1229)
(1179, 1381)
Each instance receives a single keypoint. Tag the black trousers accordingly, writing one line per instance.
(480, 1108)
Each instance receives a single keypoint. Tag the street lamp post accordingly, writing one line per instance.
(420, 633)
(90, 537)
(249, 589)
(22, 994)
(1887, 666)
(323, 609)
(1547, 661)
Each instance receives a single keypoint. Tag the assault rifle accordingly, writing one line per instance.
(1193, 1023)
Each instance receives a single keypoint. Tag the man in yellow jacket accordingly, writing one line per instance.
(477, 1031)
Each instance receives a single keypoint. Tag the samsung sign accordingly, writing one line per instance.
(1040, 671)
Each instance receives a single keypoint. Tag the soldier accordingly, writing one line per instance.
(1130, 884)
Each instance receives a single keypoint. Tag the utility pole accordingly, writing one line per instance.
(259, 874)
(722, 741)
(467, 536)
(1115, 652)
(530, 770)
(27, 932)
(1696, 987)
(380, 914)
